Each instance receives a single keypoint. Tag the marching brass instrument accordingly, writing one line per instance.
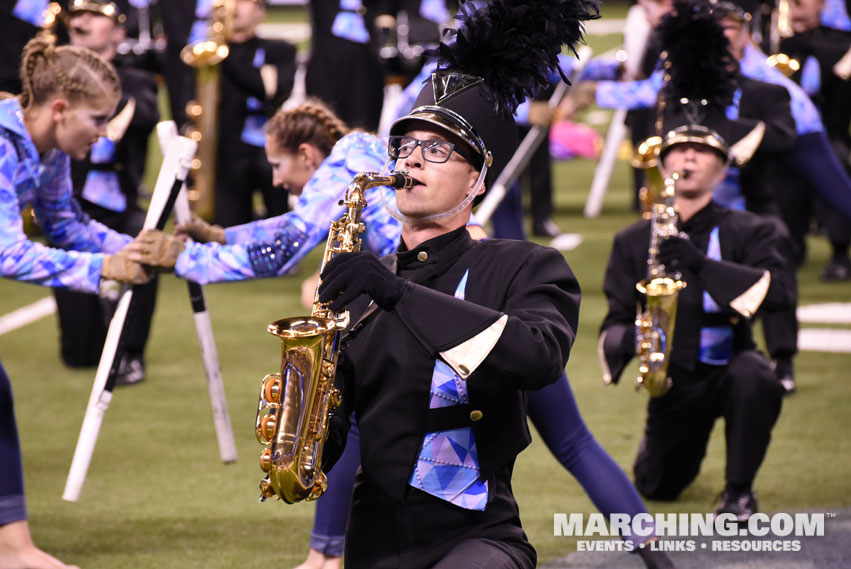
(654, 326)
(50, 19)
(206, 57)
(294, 405)
(646, 158)
(781, 28)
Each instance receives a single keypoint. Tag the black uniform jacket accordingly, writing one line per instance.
(520, 295)
(761, 175)
(737, 283)
(242, 79)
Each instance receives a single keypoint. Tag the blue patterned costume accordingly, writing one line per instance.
(45, 182)
(270, 247)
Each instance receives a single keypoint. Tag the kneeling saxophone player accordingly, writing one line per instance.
(448, 333)
(730, 263)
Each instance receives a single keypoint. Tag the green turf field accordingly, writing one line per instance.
(157, 495)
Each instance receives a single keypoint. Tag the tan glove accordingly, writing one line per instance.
(154, 248)
(200, 231)
(119, 267)
(540, 114)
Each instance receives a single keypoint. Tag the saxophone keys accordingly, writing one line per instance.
(272, 388)
(265, 463)
(267, 427)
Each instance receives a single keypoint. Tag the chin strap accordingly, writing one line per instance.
(393, 209)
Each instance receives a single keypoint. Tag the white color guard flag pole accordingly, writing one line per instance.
(172, 175)
(636, 32)
(167, 134)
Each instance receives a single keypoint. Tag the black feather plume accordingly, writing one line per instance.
(699, 65)
(514, 44)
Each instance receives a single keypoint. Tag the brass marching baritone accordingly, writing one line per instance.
(206, 57)
(294, 405)
(654, 326)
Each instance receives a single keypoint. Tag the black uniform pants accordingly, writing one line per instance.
(426, 532)
(84, 318)
(744, 392)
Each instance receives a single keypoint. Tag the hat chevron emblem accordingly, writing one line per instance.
(447, 84)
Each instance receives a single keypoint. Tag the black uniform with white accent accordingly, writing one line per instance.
(513, 332)
(749, 275)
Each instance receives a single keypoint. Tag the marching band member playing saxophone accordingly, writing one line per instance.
(732, 267)
(449, 333)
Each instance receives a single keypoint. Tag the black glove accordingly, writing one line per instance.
(676, 253)
(348, 275)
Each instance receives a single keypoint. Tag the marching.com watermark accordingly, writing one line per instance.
(675, 529)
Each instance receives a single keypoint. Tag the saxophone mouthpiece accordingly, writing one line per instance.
(401, 180)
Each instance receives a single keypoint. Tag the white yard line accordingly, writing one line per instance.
(824, 340)
(828, 313)
(27, 314)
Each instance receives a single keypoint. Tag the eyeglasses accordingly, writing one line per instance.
(435, 151)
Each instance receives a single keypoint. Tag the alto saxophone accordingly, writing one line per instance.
(654, 326)
(294, 405)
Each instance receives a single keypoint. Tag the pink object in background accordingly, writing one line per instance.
(569, 140)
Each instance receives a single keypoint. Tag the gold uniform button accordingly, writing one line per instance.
(464, 369)
(422, 256)
(476, 415)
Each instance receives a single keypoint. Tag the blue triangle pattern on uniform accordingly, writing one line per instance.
(447, 388)
(448, 463)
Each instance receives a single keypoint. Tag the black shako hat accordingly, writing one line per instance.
(501, 54)
(102, 7)
(701, 79)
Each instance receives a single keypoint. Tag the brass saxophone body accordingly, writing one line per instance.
(206, 58)
(294, 405)
(654, 326)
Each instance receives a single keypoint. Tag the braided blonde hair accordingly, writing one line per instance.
(70, 71)
(311, 122)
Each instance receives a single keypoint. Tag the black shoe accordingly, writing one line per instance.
(836, 270)
(741, 504)
(131, 370)
(546, 228)
(785, 374)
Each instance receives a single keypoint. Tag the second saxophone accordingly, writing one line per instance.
(654, 326)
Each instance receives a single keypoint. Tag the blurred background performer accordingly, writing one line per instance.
(344, 69)
(257, 76)
(732, 266)
(68, 94)
(820, 40)
(107, 184)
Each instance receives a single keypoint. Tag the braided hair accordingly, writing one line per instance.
(311, 122)
(70, 71)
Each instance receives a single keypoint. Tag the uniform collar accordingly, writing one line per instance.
(436, 253)
(703, 220)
